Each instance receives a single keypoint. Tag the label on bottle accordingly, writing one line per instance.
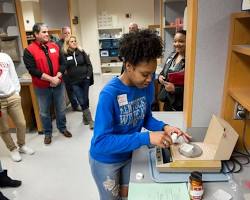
(196, 193)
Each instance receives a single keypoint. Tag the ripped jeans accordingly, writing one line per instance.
(109, 177)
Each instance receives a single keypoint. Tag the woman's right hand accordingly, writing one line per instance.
(169, 87)
(160, 138)
(161, 79)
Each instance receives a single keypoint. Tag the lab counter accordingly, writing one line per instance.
(236, 186)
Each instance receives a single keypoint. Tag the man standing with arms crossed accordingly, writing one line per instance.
(42, 61)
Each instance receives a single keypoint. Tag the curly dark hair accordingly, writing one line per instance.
(140, 46)
(182, 32)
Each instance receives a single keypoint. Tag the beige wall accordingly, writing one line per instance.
(157, 11)
(142, 11)
(89, 34)
(76, 28)
(211, 56)
(55, 13)
(31, 12)
(37, 11)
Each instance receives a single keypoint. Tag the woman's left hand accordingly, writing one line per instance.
(171, 129)
(169, 87)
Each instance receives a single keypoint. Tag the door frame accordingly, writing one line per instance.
(192, 15)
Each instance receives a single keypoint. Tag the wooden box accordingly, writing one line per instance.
(218, 145)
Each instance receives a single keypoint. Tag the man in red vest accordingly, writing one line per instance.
(42, 61)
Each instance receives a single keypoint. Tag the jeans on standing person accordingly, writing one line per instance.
(110, 177)
(70, 92)
(45, 98)
(81, 90)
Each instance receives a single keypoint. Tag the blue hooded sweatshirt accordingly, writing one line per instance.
(121, 113)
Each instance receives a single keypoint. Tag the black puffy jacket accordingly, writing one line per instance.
(78, 66)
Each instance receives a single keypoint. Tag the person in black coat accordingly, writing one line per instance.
(80, 73)
(66, 32)
(172, 90)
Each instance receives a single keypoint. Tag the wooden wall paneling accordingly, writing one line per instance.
(192, 12)
(19, 14)
(236, 86)
(70, 14)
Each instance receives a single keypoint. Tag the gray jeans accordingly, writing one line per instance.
(109, 178)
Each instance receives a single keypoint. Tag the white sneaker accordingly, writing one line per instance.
(15, 155)
(26, 150)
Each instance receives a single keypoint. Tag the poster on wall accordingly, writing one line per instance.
(245, 5)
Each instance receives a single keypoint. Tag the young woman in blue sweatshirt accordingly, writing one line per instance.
(123, 109)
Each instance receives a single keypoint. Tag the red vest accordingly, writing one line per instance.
(41, 61)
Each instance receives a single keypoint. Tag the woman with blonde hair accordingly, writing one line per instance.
(80, 72)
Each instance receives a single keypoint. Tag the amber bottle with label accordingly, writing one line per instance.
(195, 186)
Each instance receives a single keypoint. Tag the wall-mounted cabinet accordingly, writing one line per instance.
(172, 20)
(109, 49)
(9, 31)
(237, 87)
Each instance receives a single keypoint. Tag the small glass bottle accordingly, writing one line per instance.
(195, 186)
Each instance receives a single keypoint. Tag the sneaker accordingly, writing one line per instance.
(66, 133)
(6, 181)
(15, 155)
(47, 139)
(26, 150)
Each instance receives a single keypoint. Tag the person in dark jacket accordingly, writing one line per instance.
(66, 32)
(80, 73)
(172, 91)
